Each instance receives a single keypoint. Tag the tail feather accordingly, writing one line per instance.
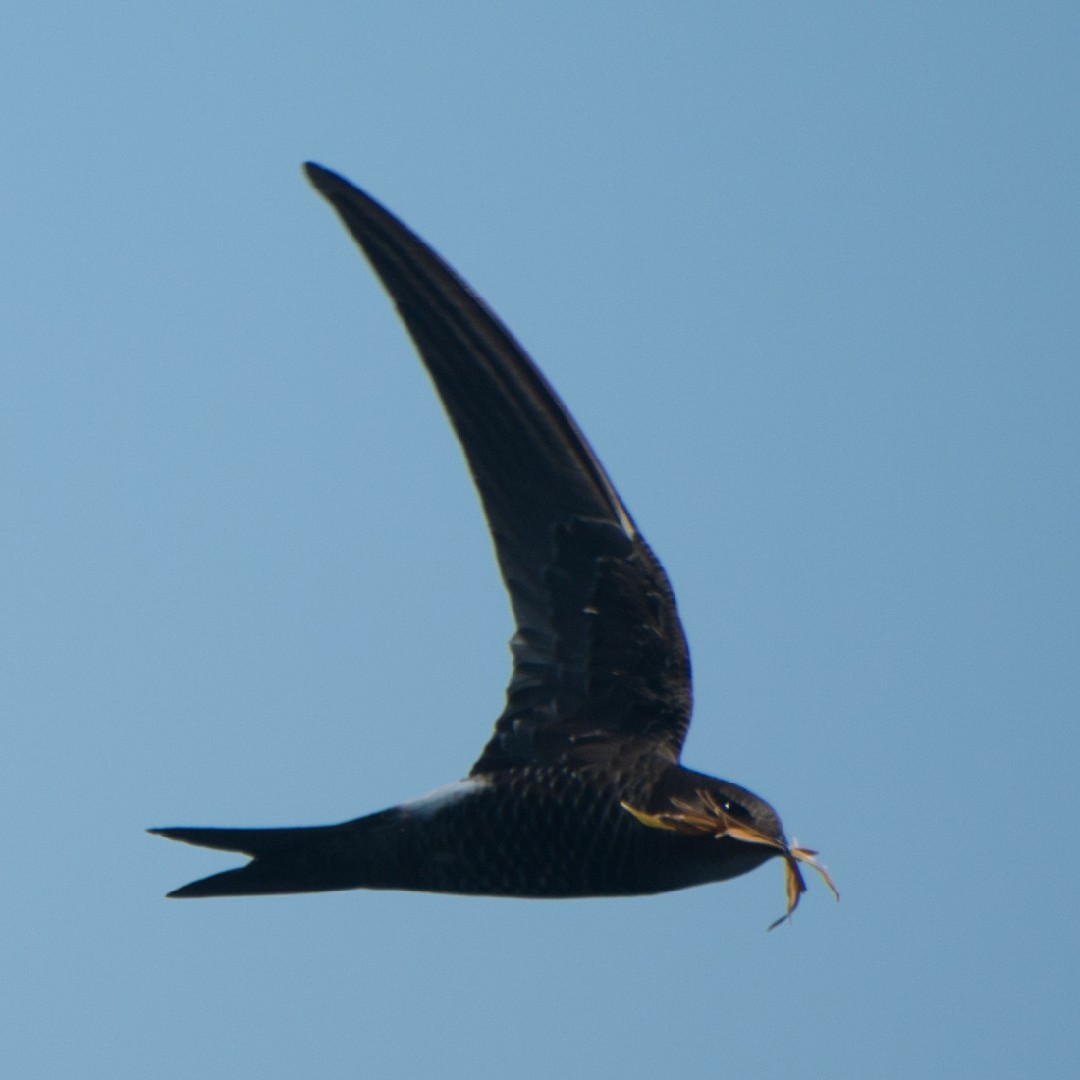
(312, 859)
(253, 842)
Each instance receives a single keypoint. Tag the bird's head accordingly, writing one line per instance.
(732, 813)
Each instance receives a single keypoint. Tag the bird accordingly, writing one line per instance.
(579, 791)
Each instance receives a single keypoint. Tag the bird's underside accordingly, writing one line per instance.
(579, 791)
(537, 832)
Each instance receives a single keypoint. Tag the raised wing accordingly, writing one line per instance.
(600, 659)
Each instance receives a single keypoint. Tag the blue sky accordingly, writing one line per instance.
(807, 277)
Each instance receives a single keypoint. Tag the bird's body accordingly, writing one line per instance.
(579, 792)
(542, 831)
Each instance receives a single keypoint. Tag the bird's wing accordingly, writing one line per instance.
(600, 658)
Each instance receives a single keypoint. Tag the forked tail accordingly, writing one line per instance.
(323, 858)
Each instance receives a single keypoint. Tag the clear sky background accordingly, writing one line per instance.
(806, 274)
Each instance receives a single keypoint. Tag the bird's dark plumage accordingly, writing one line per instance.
(579, 791)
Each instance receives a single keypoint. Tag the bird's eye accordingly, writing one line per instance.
(740, 813)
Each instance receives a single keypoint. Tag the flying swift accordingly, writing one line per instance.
(579, 791)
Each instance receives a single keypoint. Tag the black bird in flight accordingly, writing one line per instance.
(579, 791)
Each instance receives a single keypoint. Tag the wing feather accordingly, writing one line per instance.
(599, 653)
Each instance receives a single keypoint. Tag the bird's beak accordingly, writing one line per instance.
(708, 818)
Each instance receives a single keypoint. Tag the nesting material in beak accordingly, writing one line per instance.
(708, 818)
